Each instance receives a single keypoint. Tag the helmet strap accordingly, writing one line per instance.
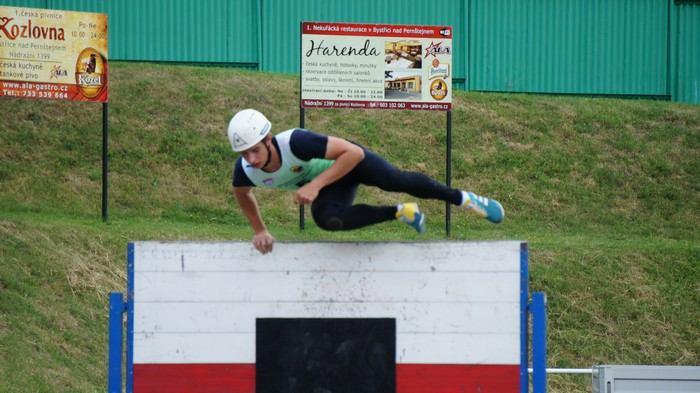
(269, 153)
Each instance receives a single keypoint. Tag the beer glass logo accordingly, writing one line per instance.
(91, 72)
(438, 89)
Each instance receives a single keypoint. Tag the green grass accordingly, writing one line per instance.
(606, 192)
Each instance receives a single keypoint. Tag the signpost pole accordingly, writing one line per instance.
(105, 161)
(448, 171)
(301, 206)
(301, 107)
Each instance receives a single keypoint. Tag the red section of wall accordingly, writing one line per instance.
(410, 378)
(189, 378)
(457, 378)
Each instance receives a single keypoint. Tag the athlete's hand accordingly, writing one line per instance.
(306, 194)
(263, 242)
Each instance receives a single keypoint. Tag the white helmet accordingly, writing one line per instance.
(247, 128)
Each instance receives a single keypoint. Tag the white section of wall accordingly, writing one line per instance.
(353, 257)
(454, 302)
(239, 317)
(394, 287)
(239, 348)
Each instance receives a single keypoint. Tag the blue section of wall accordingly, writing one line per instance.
(570, 46)
(206, 31)
(25, 3)
(686, 52)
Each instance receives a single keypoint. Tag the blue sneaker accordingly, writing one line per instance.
(487, 208)
(411, 215)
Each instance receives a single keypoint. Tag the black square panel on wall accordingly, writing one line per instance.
(325, 355)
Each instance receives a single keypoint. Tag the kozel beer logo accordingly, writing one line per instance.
(91, 72)
(438, 89)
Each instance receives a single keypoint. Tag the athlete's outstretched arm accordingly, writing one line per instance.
(346, 155)
(262, 240)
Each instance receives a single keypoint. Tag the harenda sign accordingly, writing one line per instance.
(324, 50)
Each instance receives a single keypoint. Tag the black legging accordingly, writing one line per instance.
(333, 209)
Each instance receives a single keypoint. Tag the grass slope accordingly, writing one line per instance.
(607, 192)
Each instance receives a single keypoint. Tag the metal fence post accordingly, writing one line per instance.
(539, 342)
(116, 314)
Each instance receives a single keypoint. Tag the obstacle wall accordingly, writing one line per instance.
(447, 315)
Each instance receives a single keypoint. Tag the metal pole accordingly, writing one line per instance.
(539, 342)
(105, 162)
(116, 312)
(301, 110)
(301, 207)
(565, 370)
(448, 171)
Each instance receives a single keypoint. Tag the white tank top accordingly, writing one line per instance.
(293, 172)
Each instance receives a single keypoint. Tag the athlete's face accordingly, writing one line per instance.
(256, 156)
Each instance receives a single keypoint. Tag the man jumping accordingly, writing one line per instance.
(325, 172)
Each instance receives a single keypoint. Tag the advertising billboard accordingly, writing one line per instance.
(374, 66)
(53, 54)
